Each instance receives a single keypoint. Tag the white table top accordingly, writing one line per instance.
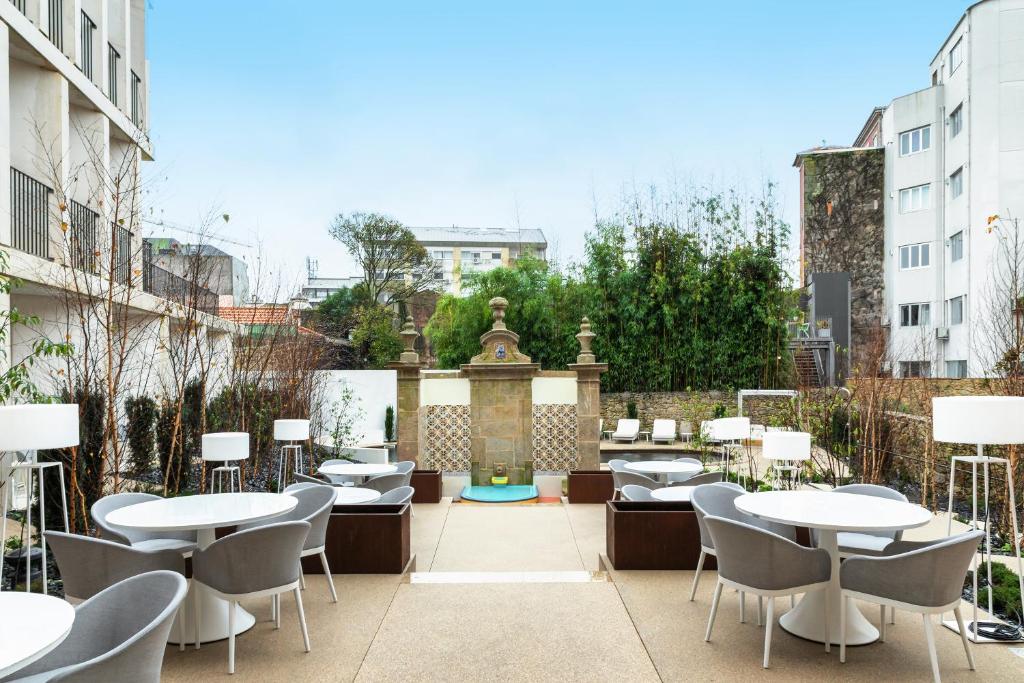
(835, 511)
(663, 467)
(674, 494)
(358, 469)
(31, 626)
(353, 495)
(207, 511)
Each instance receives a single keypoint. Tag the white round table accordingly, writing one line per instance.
(673, 494)
(662, 468)
(205, 514)
(358, 469)
(353, 495)
(831, 513)
(31, 625)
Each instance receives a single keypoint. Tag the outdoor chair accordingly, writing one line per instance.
(685, 430)
(678, 477)
(634, 492)
(625, 477)
(703, 478)
(627, 430)
(182, 541)
(303, 485)
(254, 563)
(319, 480)
(119, 634)
(406, 467)
(617, 465)
(719, 500)
(927, 580)
(315, 505)
(753, 560)
(664, 430)
(336, 479)
(867, 542)
(398, 496)
(386, 482)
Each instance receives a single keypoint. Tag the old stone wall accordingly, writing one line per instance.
(694, 407)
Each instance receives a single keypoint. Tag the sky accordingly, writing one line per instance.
(527, 114)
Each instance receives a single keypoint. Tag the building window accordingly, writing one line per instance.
(915, 256)
(914, 141)
(956, 121)
(956, 310)
(915, 368)
(956, 56)
(915, 198)
(956, 183)
(496, 256)
(956, 369)
(956, 247)
(915, 315)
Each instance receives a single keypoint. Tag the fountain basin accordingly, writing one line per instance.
(501, 494)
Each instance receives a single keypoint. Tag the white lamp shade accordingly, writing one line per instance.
(224, 446)
(291, 430)
(38, 426)
(978, 419)
(730, 428)
(786, 445)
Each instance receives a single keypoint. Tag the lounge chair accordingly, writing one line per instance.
(627, 430)
(664, 430)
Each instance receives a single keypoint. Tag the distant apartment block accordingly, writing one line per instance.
(460, 251)
(225, 275)
(953, 156)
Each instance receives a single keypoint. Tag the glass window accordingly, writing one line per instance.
(956, 121)
(956, 183)
(915, 198)
(956, 246)
(956, 56)
(956, 310)
(915, 256)
(915, 368)
(915, 315)
(956, 369)
(914, 141)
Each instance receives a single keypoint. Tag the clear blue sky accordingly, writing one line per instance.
(474, 114)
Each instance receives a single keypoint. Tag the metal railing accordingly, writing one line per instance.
(113, 59)
(122, 254)
(30, 211)
(167, 285)
(88, 29)
(136, 100)
(55, 23)
(82, 236)
(19, 5)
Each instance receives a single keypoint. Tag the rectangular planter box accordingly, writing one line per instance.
(428, 486)
(591, 486)
(644, 535)
(365, 539)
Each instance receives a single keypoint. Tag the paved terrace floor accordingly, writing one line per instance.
(514, 593)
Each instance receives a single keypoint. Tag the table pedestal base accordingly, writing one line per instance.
(213, 624)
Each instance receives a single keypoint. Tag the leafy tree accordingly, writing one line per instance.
(336, 315)
(395, 266)
(374, 336)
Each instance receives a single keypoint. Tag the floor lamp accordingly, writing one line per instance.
(981, 420)
(24, 430)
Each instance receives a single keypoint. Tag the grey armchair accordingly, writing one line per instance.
(617, 465)
(119, 634)
(636, 493)
(315, 505)
(399, 496)
(303, 485)
(337, 479)
(625, 478)
(704, 478)
(253, 563)
(928, 580)
(182, 541)
(406, 467)
(319, 480)
(867, 542)
(675, 478)
(753, 560)
(386, 482)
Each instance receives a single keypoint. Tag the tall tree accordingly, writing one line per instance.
(395, 266)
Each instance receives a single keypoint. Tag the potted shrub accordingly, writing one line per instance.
(389, 424)
(824, 328)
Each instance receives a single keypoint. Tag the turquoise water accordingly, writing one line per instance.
(499, 494)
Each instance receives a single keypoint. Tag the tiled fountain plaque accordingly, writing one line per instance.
(446, 438)
(554, 438)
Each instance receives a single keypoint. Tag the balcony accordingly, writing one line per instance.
(82, 236)
(30, 209)
(167, 285)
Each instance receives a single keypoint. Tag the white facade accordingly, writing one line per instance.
(954, 157)
(459, 251)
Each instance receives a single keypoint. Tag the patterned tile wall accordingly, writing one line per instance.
(554, 438)
(446, 438)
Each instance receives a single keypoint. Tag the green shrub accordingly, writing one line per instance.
(389, 423)
(141, 413)
(1006, 597)
(631, 411)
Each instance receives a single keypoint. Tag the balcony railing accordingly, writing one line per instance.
(122, 254)
(55, 23)
(19, 5)
(88, 30)
(82, 236)
(113, 69)
(136, 100)
(167, 285)
(30, 210)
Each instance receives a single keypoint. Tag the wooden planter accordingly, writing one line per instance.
(365, 539)
(591, 486)
(428, 486)
(645, 535)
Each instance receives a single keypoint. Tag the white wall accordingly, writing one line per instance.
(372, 390)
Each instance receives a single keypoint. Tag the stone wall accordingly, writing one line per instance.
(694, 407)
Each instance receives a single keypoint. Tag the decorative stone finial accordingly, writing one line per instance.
(586, 338)
(409, 335)
(498, 305)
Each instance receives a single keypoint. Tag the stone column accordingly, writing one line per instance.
(408, 368)
(588, 400)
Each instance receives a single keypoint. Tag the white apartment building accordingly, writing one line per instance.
(458, 251)
(954, 157)
(73, 122)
